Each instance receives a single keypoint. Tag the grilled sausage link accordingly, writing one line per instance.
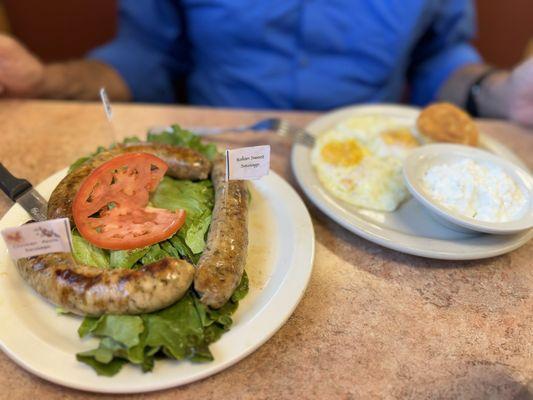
(88, 290)
(221, 265)
(183, 163)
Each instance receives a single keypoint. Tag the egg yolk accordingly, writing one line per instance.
(401, 136)
(344, 154)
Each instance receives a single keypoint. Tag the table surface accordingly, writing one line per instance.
(373, 323)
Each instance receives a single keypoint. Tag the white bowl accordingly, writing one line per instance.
(421, 159)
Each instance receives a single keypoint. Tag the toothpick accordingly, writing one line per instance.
(109, 113)
(226, 181)
(227, 165)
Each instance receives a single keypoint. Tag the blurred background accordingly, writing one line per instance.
(505, 28)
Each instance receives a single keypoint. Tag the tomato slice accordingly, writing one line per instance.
(110, 209)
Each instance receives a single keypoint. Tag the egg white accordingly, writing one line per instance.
(376, 181)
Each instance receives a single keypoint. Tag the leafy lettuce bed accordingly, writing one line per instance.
(184, 330)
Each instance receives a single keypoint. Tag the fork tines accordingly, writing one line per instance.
(295, 134)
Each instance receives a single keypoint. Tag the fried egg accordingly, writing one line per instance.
(360, 161)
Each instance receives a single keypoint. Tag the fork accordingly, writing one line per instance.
(278, 126)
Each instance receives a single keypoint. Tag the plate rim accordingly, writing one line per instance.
(303, 255)
(341, 215)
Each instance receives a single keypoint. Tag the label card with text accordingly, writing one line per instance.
(247, 162)
(51, 236)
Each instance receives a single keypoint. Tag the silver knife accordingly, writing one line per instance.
(21, 191)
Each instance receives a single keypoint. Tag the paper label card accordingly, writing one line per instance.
(247, 162)
(51, 236)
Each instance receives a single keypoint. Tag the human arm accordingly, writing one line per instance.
(444, 67)
(140, 64)
(442, 50)
(503, 94)
(22, 74)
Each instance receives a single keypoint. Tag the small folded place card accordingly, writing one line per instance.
(33, 239)
(247, 162)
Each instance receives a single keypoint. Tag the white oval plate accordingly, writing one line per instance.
(410, 229)
(280, 260)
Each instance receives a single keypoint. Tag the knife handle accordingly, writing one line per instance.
(12, 186)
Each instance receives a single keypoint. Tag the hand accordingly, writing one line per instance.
(519, 88)
(21, 73)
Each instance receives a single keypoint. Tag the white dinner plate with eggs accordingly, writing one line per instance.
(410, 228)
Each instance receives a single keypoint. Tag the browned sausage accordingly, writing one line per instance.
(88, 290)
(221, 265)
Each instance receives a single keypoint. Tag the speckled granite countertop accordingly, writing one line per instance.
(374, 323)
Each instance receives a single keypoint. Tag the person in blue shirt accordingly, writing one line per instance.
(282, 54)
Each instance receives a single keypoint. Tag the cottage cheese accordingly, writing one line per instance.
(479, 190)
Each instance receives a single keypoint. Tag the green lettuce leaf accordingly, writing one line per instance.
(177, 329)
(193, 197)
(81, 160)
(155, 253)
(242, 290)
(88, 325)
(126, 258)
(170, 249)
(181, 247)
(131, 139)
(85, 253)
(197, 199)
(177, 136)
(124, 329)
(110, 369)
(195, 231)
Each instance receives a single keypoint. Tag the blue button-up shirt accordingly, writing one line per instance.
(302, 54)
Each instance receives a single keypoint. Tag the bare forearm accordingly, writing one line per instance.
(81, 80)
(493, 98)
